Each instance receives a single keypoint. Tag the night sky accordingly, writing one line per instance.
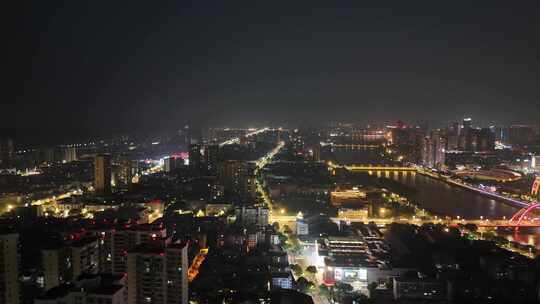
(82, 69)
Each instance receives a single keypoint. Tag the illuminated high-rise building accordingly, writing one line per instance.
(69, 154)
(171, 163)
(158, 274)
(9, 268)
(521, 135)
(433, 150)
(56, 266)
(467, 125)
(237, 177)
(211, 158)
(486, 140)
(102, 174)
(122, 240)
(501, 134)
(65, 262)
(408, 142)
(125, 172)
(317, 153)
(195, 156)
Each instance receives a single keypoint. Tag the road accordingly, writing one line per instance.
(237, 139)
(193, 271)
(263, 161)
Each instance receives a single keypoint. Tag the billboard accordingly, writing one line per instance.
(350, 275)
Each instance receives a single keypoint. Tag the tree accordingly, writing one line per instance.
(311, 271)
(501, 240)
(305, 286)
(324, 291)
(310, 287)
(371, 288)
(344, 287)
(287, 229)
(471, 227)
(282, 239)
(297, 270)
(341, 290)
(302, 284)
(294, 244)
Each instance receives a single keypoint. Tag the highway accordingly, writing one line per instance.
(54, 198)
(236, 140)
(263, 161)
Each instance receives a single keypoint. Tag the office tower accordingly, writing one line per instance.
(173, 162)
(185, 135)
(501, 134)
(486, 140)
(427, 155)
(433, 150)
(102, 174)
(520, 135)
(169, 164)
(454, 128)
(47, 155)
(125, 173)
(317, 153)
(9, 268)
(452, 136)
(452, 142)
(158, 274)
(195, 157)
(211, 158)
(408, 142)
(69, 154)
(466, 126)
(439, 149)
(468, 141)
(194, 136)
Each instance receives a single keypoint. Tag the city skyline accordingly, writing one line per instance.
(307, 152)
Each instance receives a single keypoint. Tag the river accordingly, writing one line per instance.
(444, 199)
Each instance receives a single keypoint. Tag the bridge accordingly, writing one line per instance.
(356, 146)
(378, 168)
(446, 221)
(519, 220)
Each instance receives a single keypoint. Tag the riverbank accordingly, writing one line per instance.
(508, 200)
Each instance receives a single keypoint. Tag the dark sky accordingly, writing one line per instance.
(114, 66)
